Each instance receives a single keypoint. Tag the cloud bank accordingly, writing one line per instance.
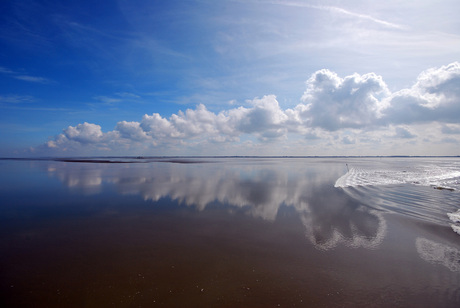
(333, 111)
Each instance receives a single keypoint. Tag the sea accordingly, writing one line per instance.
(230, 232)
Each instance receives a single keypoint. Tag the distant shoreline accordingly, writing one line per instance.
(190, 159)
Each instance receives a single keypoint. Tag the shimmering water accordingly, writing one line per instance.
(230, 232)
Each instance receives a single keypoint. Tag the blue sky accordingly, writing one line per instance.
(229, 78)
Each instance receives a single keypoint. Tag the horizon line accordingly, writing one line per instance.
(58, 158)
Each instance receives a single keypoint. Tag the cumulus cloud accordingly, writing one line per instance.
(333, 103)
(80, 137)
(84, 133)
(265, 118)
(434, 97)
(131, 130)
(350, 109)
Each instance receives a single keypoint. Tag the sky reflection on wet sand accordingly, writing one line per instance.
(231, 232)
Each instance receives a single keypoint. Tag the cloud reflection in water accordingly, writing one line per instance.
(438, 253)
(259, 187)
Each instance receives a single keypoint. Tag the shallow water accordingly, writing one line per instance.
(229, 232)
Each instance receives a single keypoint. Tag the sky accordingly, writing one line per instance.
(229, 77)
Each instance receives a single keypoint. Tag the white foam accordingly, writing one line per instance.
(443, 178)
(439, 174)
(455, 228)
(455, 217)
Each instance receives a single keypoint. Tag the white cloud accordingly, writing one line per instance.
(84, 133)
(194, 123)
(158, 127)
(334, 113)
(265, 119)
(131, 131)
(434, 97)
(77, 138)
(334, 103)
(51, 144)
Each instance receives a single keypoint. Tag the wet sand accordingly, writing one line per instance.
(236, 234)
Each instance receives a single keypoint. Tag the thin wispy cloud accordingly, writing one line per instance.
(360, 16)
(37, 108)
(335, 9)
(16, 99)
(33, 79)
(118, 97)
(4, 70)
(107, 100)
(25, 77)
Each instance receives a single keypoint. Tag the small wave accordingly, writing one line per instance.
(455, 218)
(363, 177)
(400, 187)
(455, 228)
(439, 178)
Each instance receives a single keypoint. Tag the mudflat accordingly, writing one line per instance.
(230, 232)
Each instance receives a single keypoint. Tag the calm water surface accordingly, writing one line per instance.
(230, 232)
